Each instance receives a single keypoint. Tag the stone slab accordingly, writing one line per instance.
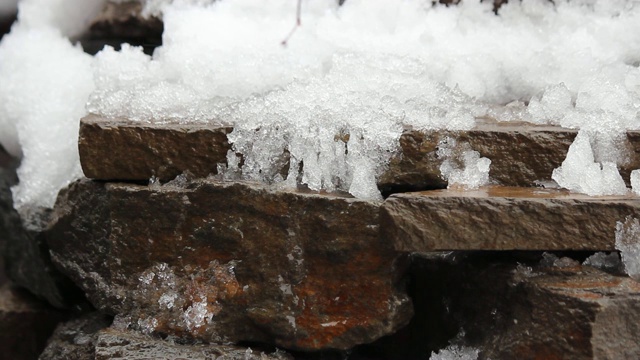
(76, 338)
(219, 262)
(504, 218)
(521, 154)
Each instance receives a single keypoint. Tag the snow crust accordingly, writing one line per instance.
(337, 98)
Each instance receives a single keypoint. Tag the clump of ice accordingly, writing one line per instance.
(628, 243)
(604, 261)
(462, 168)
(197, 314)
(580, 172)
(551, 106)
(455, 352)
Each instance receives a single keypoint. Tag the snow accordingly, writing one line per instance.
(628, 243)
(337, 98)
(604, 261)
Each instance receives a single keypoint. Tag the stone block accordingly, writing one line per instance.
(219, 262)
(504, 218)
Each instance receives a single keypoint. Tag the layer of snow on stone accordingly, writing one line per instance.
(337, 97)
(628, 243)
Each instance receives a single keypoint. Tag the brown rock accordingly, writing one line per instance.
(125, 150)
(570, 312)
(25, 324)
(502, 218)
(122, 23)
(232, 262)
(521, 154)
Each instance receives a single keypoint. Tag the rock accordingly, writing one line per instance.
(510, 311)
(76, 339)
(221, 262)
(118, 344)
(521, 154)
(25, 252)
(122, 23)
(503, 218)
(124, 150)
(25, 324)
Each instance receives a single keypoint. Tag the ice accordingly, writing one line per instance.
(604, 261)
(579, 172)
(628, 243)
(455, 352)
(462, 167)
(197, 314)
(156, 7)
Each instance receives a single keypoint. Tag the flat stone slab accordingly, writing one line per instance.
(229, 262)
(521, 154)
(127, 150)
(504, 218)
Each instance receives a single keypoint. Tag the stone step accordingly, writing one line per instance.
(521, 154)
(221, 262)
(504, 218)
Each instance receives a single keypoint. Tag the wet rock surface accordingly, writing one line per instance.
(499, 218)
(25, 324)
(221, 262)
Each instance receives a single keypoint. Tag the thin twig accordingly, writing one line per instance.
(296, 26)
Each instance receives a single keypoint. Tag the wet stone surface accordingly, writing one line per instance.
(502, 218)
(221, 262)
